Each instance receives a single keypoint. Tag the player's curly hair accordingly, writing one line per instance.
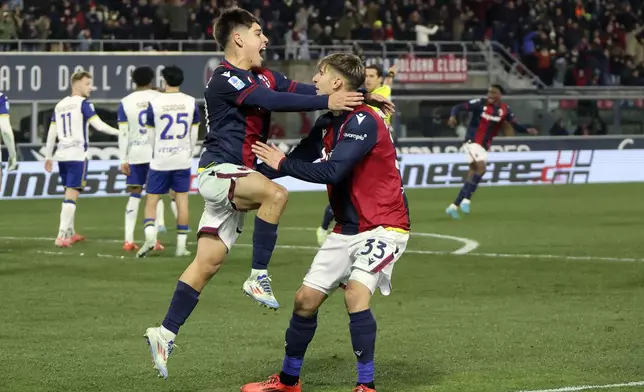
(228, 21)
(348, 65)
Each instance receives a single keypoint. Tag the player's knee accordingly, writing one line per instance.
(278, 194)
(211, 252)
(357, 297)
(307, 302)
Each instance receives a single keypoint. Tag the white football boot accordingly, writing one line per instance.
(258, 287)
(160, 348)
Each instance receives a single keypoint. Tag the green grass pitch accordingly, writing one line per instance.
(552, 297)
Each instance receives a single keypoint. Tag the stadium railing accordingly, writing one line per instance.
(620, 109)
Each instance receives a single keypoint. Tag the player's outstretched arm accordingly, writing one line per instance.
(285, 84)
(468, 106)
(358, 139)
(237, 91)
(92, 118)
(124, 129)
(308, 150)
(511, 119)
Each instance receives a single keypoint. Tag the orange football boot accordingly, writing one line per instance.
(129, 246)
(77, 238)
(159, 246)
(363, 388)
(273, 384)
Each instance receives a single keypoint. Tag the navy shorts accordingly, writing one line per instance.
(160, 182)
(138, 174)
(73, 174)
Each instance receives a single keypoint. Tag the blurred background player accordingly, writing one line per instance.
(372, 229)
(6, 134)
(135, 150)
(375, 84)
(70, 123)
(173, 122)
(239, 98)
(489, 114)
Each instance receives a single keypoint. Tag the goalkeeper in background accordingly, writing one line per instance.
(375, 84)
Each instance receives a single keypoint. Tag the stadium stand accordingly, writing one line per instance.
(564, 42)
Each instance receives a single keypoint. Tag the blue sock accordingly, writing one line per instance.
(327, 218)
(473, 184)
(264, 239)
(183, 302)
(363, 329)
(298, 336)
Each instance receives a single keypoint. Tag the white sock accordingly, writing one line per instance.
(67, 211)
(181, 241)
(131, 213)
(160, 213)
(173, 207)
(167, 334)
(151, 233)
(255, 272)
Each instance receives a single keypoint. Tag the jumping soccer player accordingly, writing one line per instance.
(70, 123)
(6, 134)
(173, 120)
(374, 84)
(372, 222)
(239, 98)
(135, 150)
(489, 114)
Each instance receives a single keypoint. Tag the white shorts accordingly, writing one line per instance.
(475, 152)
(220, 216)
(367, 257)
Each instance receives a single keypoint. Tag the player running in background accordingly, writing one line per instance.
(173, 122)
(239, 98)
(375, 84)
(135, 149)
(70, 123)
(372, 222)
(6, 134)
(489, 114)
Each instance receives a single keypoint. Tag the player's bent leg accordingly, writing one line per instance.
(182, 223)
(476, 175)
(131, 214)
(149, 225)
(211, 252)
(254, 191)
(299, 335)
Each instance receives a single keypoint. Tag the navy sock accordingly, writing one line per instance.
(264, 239)
(298, 336)
(462, 194)
(473, 184)
(363, 329)
(183, 302)
(327, 218)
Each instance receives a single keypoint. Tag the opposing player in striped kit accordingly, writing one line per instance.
(70, 123)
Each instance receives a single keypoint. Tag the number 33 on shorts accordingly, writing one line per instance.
(375, 255)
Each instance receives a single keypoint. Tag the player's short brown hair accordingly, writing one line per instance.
(80, 75)
(348, 65)
(230, 20)
(376, 68)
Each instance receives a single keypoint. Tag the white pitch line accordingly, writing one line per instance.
(468, 244)
(588, 387)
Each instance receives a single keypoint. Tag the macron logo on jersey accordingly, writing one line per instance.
(236, 83)
(360, 117)
(354, 136)
(226, 74)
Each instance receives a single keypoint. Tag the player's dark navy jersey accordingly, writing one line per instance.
(487, 120)
(238, 110)
(359, 166)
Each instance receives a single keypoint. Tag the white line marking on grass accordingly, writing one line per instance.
(587, 387)
(468, 244)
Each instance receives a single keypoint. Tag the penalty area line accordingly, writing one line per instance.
(588, 387)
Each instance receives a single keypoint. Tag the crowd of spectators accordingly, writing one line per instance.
(563, 42)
